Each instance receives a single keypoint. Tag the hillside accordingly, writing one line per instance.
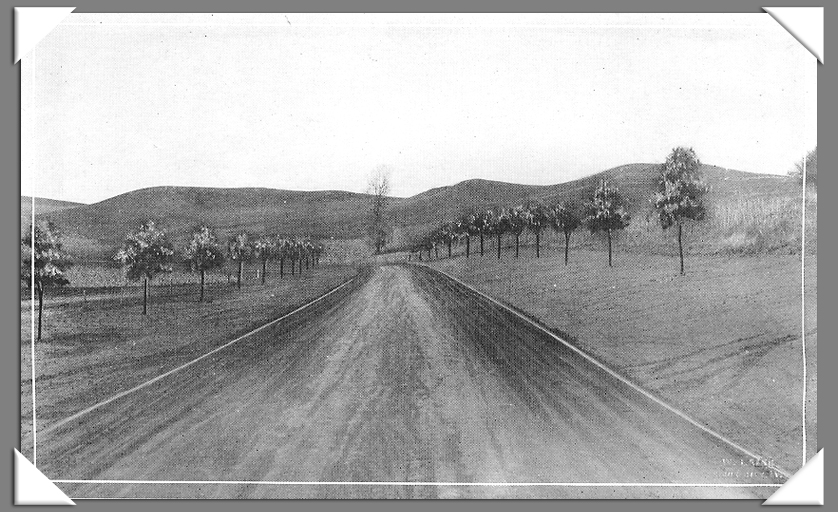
(42, 205)
(636, 182)
(97, 229)
(100, 227)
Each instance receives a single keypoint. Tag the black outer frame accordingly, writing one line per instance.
(9, 200)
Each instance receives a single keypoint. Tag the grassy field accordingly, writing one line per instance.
(723, 342)
(91, 351)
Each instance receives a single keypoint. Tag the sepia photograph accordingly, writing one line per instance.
(412, 256)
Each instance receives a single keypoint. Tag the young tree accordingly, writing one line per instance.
(309, 252)
(498, 225)
(203, 254)
(465, 228)
(565, 220)
(428, 243)
(50, 262)
(145, 254)
(606, 212)
(318, 250)
(280, 254)
(480, 225)
(538, 218)
(680, 192)
(293, 252)
(379, 187)
(448, 233)
(303, 255)
(298, 252)
(240, 249)
(516, 223)
(264, 248)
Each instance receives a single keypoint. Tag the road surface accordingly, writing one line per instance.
(406, 377)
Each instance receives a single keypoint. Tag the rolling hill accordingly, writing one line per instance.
(42, 205)
(96, 230)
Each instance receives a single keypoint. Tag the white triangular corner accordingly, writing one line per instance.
(33, 23)
(804, 23)
(33, 488)
(804, 487)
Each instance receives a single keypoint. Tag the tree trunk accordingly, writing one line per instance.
(40, 309)
(264, 268)
(239, 277)
(680, 249)
(429, 254)
(449, 247)
(145, 295)
(301, 266)
(609, 248)
(281, 267)
(420, 254)
(517, 243)
(202, 286)
(481, 244)
(499, 246)
(566, 246)
(468, 245)
(293, 265)
(408, 256)
(538, 245)
(306, 262)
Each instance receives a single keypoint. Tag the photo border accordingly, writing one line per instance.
(110, 7)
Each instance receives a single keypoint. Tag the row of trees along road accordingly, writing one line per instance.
(679, 197)
(148, 252)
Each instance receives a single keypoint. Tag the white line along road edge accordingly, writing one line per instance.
(611, 372)
(147, 383)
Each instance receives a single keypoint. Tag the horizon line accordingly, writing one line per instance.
(80, 203)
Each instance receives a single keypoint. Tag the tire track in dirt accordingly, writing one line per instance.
(408, 380)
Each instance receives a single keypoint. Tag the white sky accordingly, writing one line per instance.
(113, 103)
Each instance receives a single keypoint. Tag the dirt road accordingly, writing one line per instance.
(405, 378)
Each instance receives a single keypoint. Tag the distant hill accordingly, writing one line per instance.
(42, 205)
(636, 182)
(97, 229)
(102, 226)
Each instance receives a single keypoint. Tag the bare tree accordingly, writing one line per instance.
(379, 188)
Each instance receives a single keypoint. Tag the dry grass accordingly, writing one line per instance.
(723, 342)
(760, 225)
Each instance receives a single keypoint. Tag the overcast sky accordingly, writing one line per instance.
(113, 103)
